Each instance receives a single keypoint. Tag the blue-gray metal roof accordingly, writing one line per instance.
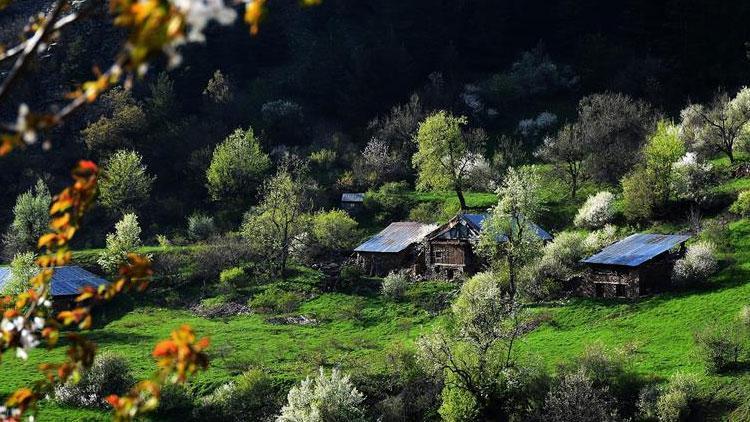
(66, 281)
(396, 237)
(352, 197)
(477, 220)
(636, 249)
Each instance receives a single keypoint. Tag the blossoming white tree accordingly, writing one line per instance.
(322, 399)
(597, 211)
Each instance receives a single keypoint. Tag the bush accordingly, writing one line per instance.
(234, 277)
(599, 239)
(349, 275)
(560, 256)
(201, 227)
(742, 205)
(109, 374)
(30, 220)
(390, 202)
(22, 269)
(275, 300)
(395, 285)
(125, 185)
(697, 265)
(237, 166)
(335, 230)
(324, 398)
(249, 397)
(674, 402)
(597, 211)
(720, 347)
(125, 239)
(175, 401)
(576, 399)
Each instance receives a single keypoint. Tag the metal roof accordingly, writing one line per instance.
(352, 197)
(396, 237)
(66, 281)
(636, 249)
(477, 220)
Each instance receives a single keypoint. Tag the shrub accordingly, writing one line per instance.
(249, 397)
(742, 205)
(720, 347)
(109, 374)
(349, 275)
(234, 276)
(745, 316)
(237, 166)
(561, 255)
(175, 401)
(322, 399)
(425, 212)
(275, 300)
(22, 269)
(201, 227)
(673, 405)
(125, 183)
(30, 220)
(576, 399)
(335, 230)
(597, 211)
(125, 239)
(647, 402)
(395, 285)
(598, 239)
(390, 202)
(697, 265)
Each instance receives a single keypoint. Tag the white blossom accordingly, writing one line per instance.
(597, 211)
(198, 13)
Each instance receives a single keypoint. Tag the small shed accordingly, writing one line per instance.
(66, 284)
(352, 202)
(398, 246)
(449, 251)
(639, 264)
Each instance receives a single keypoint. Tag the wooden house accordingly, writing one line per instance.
(67, 282)
(398, 246)
(449, 250)
(352, 202)
(639, 264)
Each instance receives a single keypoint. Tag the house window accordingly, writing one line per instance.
(440, 256)
(620, 290)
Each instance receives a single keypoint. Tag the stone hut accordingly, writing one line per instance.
(449, 250)
(637, 265)
(398, 246)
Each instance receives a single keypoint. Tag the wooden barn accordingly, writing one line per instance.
(398, 246)
(639, 264)
(352, 202)
(66, 284)
(449, 251)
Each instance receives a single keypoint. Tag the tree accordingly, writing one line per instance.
(400, 125)
(22, 268)
(663, 148)
(378, 163)
(237, 166)
(507, 235)
(691, 179)
(280, 219)
(218, 89)
(125, 239)
(614, 127)
(577, 399)
(335, 230)
(445, 153)
(597, 211)
(638, 195)
(123, 123)
(31, 219)
(474, 352)
(719, 126)
(568, 151)
(324, 399)
(125, 183)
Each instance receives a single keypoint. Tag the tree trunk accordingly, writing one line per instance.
(730, 154)
(461, 199)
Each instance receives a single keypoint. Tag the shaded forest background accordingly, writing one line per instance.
(344, 63)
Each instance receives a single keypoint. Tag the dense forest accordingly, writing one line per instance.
(316, 78)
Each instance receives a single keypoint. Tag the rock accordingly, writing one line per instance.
(292, 320)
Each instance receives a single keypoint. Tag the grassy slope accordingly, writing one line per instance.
(355, 333)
